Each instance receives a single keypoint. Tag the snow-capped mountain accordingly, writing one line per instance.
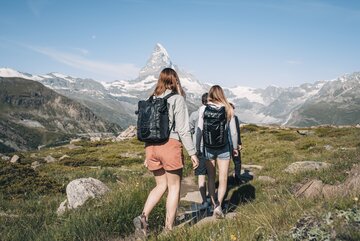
(337, 102)
(148, 76)
(116, 101)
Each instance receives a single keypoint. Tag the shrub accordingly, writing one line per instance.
(21, 181)
(249, 128)
(286, 136)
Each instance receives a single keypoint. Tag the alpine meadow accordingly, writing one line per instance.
(237, 119)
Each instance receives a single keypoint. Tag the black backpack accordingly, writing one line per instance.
(215, 127)
(153, 120)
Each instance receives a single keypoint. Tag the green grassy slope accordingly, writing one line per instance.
(30, 208)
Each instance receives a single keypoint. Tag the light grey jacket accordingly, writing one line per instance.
(178, 111)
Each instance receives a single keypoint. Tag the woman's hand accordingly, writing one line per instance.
(195, 161)
(235, 152)
(145, 163)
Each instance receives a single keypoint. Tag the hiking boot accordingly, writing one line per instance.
(218, 213)
(141, 226)
(204, 205)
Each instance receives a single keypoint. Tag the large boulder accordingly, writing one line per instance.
(129, 133)
(80, 190)
(306, 166)
(316, 188)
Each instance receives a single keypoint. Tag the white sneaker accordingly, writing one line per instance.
(218, 213)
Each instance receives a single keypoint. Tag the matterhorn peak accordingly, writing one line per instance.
(158, 60)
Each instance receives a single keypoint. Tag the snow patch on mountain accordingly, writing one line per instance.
(8, 72)
(246, 92)
(192, 86)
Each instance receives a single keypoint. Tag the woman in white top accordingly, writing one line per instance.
(221, 155)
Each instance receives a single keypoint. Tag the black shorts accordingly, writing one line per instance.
(201, 169)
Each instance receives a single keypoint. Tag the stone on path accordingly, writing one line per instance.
(188, 184)
(80, 190)
(211, 219)
(306, 166)
(258, 167)
(192, 197)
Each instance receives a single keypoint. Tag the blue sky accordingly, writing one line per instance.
(230, 42)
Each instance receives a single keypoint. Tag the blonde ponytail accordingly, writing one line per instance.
(216, 95)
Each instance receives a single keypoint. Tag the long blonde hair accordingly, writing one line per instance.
(168, 79)
(217, 96)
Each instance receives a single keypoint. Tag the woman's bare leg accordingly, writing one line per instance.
(172, 201)
(210, 167)
(157, 192)
(202, 186)
(223, 166)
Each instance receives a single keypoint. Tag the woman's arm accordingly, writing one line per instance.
(199, 128)
(233, 133)
(182, 126)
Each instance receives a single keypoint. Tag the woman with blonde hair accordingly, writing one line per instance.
(217, 128)
(165, 159)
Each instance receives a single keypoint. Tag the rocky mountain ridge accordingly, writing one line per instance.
(32, 115)
(117, 101)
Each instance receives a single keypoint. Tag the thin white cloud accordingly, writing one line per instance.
(111, 71)
(82, 51)
(294, 62)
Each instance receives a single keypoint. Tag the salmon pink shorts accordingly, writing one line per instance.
(167, 156)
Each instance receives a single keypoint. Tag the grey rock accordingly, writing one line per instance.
(15, 159)
(310, 189)
(63, 157)
(80, 190)
(315, 188)
(328, 147)
(306, 166)
(305, 132)
(129, 133)
(4, 157)
(50, 159)
(35, 164)
(266, 179)
(95, 138)
(62, 208)
(73, 141)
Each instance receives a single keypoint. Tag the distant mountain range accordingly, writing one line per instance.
(323, 102)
